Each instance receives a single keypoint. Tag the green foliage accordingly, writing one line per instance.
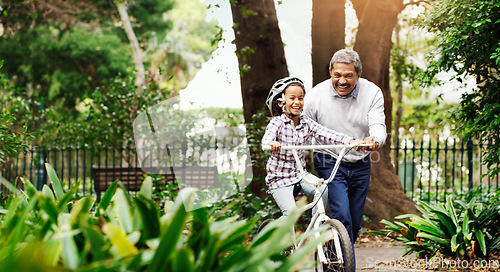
(421, 119)
(60, 67)
(468, 33)
(11, 143)
(14, 133)
(60, 58)
(179, 54)
(52, 230)
(149, 17)
(106, 115)
(456, 229)
(255, 132)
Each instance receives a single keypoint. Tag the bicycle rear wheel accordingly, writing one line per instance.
(333, 262)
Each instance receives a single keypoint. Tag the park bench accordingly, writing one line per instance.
(200, 177)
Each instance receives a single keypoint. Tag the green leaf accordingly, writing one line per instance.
(453, 243)
(28, 186)
(56, 184)
(170, 238)
(49, 208)
(123, 211)
(149, 216)
(446, 221)
(427, 226)
(306, 249)
(481, 241)
(70, 254)
(107, 197)
(183, 261)
(96, 241)
(46, 191)
(436, 239)
(80, 210)
(119, 240)
(147, 188)
(451, 210)
(235, 235)
(67, 197)
(52, 251)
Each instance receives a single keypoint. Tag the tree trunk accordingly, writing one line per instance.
(399, 90)
(138, 61)
(373, 43)
(261, 60)
(327, 33)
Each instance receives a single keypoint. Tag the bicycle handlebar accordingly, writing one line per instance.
(312, 147)
(345, 149)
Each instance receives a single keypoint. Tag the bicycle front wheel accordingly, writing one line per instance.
(331, 249)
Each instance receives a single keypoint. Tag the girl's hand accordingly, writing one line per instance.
(275, 146)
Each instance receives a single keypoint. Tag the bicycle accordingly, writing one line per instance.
(336, 254)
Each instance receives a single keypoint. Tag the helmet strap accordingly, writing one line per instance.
(284, 107)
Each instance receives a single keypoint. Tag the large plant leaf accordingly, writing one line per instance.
(436, 239)
(446, 221)
(481, 241)
(96, 242)
(147, 188)
(68, 197)
(56, 183)
(427, 226)
(450, 208)
(81, 210)
(183, 261)
(119, 240)
(170, 238)
(107, 197)
(306, 249)
(149, 216)
(70, 254)
(122, 211)
(49, 208)
(31, 191)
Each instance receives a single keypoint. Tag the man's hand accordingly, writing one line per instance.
(374, 144)
(275, 146)
(358, 142)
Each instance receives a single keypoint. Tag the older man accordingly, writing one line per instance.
(354, 106)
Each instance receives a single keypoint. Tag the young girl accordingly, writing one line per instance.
(289, 127)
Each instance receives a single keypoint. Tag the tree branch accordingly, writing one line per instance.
(417, 3)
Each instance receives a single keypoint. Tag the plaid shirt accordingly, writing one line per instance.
(281, 167)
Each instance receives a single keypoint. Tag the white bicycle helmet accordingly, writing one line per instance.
(278, 89)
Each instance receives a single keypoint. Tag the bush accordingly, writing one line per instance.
(53, 230)
(456, 229)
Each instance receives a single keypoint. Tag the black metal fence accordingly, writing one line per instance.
(430, 171)
(75, 165)
(427, 171)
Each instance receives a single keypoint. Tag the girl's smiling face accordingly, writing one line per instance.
(294, 99)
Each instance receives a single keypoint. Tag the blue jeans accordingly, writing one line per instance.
(347, 191)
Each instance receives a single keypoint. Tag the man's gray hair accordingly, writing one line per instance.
(347, 56)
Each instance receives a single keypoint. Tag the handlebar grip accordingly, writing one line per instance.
(266, 147)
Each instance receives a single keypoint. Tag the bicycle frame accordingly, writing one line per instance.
(320, 215)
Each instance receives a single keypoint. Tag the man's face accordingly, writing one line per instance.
(344, 77)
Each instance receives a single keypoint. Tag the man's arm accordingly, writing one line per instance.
(376, 123)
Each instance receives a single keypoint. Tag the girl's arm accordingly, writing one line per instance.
(271, 134)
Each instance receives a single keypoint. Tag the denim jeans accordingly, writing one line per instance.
(347, 191)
